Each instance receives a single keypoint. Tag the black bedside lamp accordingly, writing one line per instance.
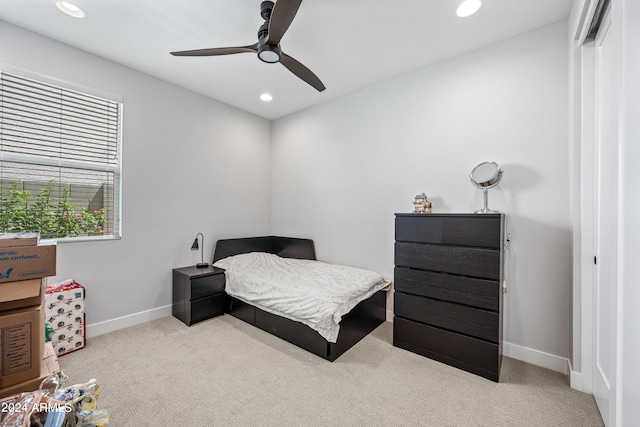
(195, 247)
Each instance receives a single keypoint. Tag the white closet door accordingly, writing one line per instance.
(606, 223)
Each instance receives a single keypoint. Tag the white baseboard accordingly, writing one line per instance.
(575, 381)
(536, 357)
(112, 325)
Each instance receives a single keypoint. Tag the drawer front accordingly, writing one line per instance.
(465, 320)
(474, 262)
(470, 354)
(472, 230)
(464, 290)
(208, 307)
(207, 285)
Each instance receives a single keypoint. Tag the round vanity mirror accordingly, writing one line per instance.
(484, 176)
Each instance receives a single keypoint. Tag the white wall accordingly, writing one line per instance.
(190, 164)
(342, 169)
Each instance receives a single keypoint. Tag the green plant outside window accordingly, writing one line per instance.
(50, 215)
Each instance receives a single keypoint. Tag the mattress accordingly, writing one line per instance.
(314, 293)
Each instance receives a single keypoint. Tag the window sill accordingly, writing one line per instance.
(82, 239)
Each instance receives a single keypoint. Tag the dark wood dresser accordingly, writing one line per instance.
(448, 294)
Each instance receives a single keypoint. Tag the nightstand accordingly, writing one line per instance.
(198, 294)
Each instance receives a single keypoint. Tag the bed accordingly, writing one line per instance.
(367, 315)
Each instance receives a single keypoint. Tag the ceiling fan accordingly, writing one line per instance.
(277, 18)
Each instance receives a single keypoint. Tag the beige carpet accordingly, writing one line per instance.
(223, 372)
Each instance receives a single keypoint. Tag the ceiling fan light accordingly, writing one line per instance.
(70, 9)
(269, 53)
(468, 8)
(269, 56)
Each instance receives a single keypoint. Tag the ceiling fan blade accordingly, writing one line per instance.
(281, 17)
(301, 71)
(218, 51)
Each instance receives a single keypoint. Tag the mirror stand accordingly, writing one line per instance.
(486, 209)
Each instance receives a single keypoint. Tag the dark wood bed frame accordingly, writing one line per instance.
(358, 323)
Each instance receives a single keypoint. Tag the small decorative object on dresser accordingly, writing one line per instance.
(421, 204)
(448, 299)
(198, 294)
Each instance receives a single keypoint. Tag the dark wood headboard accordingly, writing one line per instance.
(287, 247)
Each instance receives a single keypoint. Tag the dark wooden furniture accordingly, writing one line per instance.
(358, 323)
(448, 295)
(198, 294)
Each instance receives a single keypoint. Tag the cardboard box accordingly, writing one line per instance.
(25, 293)
(27, 262)
(8, 240)
(21, 344)
(49, 366)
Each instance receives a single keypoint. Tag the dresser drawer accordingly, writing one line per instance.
(465, 320)
(472, 355)
(448, 287)
(465, 261)
(207, 285)
(466, 230)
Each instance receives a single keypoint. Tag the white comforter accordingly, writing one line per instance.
(311, 292)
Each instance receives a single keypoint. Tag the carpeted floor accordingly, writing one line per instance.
(224, 372)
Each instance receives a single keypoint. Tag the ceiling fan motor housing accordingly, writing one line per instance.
(265, 9)
(263, 31)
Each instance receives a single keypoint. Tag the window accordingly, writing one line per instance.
(59, 160)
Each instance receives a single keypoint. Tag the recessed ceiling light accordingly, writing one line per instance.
(468, 8)
(266, 97)
(70, 9)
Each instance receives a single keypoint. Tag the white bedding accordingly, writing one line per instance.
(311, 292)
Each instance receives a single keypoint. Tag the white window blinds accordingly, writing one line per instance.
(64, 142)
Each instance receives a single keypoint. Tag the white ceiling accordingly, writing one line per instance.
(348, 44)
